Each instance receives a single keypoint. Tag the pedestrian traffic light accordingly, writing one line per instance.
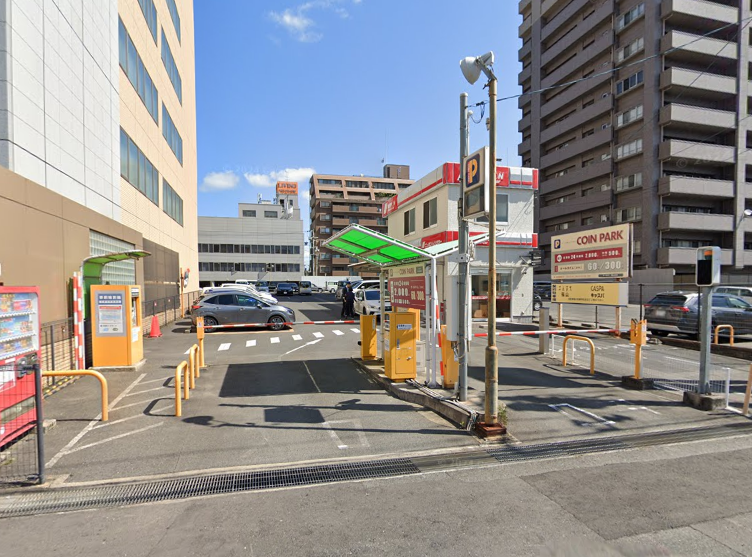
(708, 270)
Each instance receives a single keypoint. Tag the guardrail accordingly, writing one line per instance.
(91, 373)
(731, 336)
(592, 351)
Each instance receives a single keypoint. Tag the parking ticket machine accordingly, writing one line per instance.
(116, 327)
(399, 345)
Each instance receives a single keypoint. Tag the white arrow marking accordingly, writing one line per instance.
(303, 346)
(250, 343)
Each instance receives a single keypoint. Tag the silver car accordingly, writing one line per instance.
(231, 308)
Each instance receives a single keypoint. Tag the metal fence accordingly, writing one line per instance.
(21, 442)
(166, 309)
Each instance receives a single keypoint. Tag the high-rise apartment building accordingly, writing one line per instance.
(98, 143)
(338, 201)
(643, 117)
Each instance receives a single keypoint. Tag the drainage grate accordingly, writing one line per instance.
(70, 499)
(78, 498)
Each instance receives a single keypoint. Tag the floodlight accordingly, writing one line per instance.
(748, 212)
(470, 69)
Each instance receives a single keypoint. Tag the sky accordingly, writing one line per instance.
(286, 88)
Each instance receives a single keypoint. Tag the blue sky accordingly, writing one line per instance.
(285, 88)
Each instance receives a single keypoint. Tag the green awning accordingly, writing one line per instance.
(368, 245)
(91, 269)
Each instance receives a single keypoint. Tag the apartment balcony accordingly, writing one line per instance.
(576, 206)
(523, 101)
(686, 256)
(370, 210)
(695, 46)
(525, 26)
(563, 73)
(696, 153)
(572, 93)
(544, 238)
(524, 147)
(582, 30)
(525, 123)
(695, 221)
(701, 187)
(525, 51)
(694, 12)
(562, 17)
(523, 5)
(340, 222)
(694, 117)
(340, 260)
(575, 121)
(368, 222)
(599, 138)
(697, 83)
(602, 168)
(525, 74)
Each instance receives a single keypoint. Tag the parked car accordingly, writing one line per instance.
(285, 289)
(542, 288)
(247, 289)
(227, 308)
(262, 286)
(678, 312)
(741, 291)
(306, 288)
(368, 302)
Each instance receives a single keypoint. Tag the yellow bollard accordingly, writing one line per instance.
(193, 364)
(201, 352)
(450, 365)
(182, 367)
(91, 373)
(368, 337)
(731, 336)
(592, 351)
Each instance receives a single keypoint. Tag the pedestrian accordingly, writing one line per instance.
(343, 314)
(350, 302)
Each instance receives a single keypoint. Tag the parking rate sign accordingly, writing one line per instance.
(593, 254)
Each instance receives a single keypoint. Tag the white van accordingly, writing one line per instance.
(305, 288)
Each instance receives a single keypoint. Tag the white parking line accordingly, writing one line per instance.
(354, 330)
(250, 343)
(80, 448)
(318, 335)
(275, 340)
(224, 346)
(297, 337)
(338, 333)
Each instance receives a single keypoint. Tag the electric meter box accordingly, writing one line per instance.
(400, 354)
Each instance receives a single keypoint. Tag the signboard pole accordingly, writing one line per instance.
(706, 325)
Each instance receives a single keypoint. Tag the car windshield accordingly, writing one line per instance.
(374, 295)
(305, 284)
(668, 300)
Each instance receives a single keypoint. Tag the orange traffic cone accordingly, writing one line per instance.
(155, 332)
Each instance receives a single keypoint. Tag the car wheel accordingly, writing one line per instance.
(277, 322)
(209, 324)
(659, 334)
(537, 306)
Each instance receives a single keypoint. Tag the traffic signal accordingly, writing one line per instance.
(708, 270)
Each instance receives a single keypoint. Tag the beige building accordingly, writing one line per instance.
(644, 118)
(337, 201)
(98, 133)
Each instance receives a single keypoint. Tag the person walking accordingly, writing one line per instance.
(343, 313)
(350, 303)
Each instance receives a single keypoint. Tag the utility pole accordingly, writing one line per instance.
(464, 258)
(492, 353)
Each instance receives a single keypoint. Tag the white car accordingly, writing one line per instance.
(266, 297)
(368, 302)
(306, 288)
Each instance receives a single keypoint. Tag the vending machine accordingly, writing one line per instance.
(19, 358)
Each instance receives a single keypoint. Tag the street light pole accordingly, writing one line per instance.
(492, 353)
(462, 285)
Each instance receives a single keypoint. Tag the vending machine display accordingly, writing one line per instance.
(19, 357)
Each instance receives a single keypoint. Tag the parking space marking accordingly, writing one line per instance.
(106, 424)
(82, 447)
(250, 343)
(355, 330)
(275, 340)
(146, 391)
(596, 417)
(337, 332)
(311, 376)
(297, 337)
(224, 346)
(318, 335)
(623, 402)
(333, 435)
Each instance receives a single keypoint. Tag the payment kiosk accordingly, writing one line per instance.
(399, 345)
(116, 330)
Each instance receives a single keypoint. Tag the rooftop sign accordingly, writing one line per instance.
(287, 188)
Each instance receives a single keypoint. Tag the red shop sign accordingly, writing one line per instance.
(408, 292)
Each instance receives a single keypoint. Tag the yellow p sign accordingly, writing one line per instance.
(472, 171)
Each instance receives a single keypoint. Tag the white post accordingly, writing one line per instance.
(434, 325)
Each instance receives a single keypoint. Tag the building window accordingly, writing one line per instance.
(629, 116)
(137, 169)
(326, 217)
(133, 66)
(630, 50)
(629, 214)
(587, 133)
(502, 209)
(587, 191)
(686, 209)
(628, 149)
(587, 221)
(326, 204)
(172, 69)
(626, 18)
(329, 182)
(173, 9)
(637, 246)
(632, 181)
(270, 214)
(383, 186)
(626, 84)
(409, 221)
(249, 213)
(356, 184)
(430, 217)
(604, 218)
(150, 14)
(117, 272)
(559, 226)
(172, 203)
(170, 133)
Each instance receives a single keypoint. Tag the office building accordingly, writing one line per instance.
(337, 201)
(264, 242)
(643, 118)
(98, 137)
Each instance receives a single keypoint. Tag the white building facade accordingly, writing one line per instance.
(425, 214)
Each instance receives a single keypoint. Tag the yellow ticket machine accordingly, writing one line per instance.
(116, 331)
(399, 345)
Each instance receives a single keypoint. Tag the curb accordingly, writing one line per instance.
(459, 416)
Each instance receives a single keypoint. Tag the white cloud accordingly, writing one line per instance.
(220, 181)
(300, 25)
(299, 175)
